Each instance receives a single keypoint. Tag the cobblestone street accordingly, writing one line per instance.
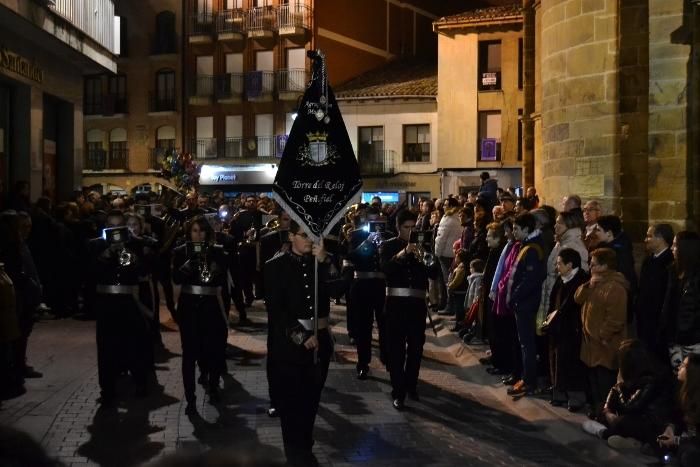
(463, 418)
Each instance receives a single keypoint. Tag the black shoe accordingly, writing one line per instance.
(496, 371)
(191, 408)
(272, 412)
(413, 395)
(398, 404)
(30, 372)
(485, 361)
(106, 400)
(362, 373)
(244, 322)
(574, 406)
(556, 403)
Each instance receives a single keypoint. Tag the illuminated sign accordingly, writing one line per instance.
(259, 174)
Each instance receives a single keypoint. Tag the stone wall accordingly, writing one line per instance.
(580, 100)
(673, 77)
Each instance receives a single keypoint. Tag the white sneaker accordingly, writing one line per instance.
(593, 427)
(620, 442)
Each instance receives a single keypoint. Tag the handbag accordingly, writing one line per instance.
(546, 325)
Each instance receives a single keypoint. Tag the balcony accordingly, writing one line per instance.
(261, 22)
(291, 83)
(231, 25)
(105, 105)
(201, 28)
(100, 27)
(293, 20)
(229, 88)
(99, 159)
(378, 162)
(233, 148)
(259, 85)
(202, 90)
(162, 102)
(203, 148)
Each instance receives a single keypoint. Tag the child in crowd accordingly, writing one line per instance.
(457, 284)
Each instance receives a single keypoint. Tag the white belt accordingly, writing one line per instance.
(118, 289)
(404, 292)
(309, 323)
(200, 290)
(369, 275)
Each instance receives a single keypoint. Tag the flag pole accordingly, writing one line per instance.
(316, 310)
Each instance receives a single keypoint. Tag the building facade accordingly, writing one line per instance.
(246, 67)
(391, 117)
(45, 49)
(480, 97)
(134, 116)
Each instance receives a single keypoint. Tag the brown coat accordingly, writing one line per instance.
(603, 316)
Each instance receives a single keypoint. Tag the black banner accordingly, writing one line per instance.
(318, 175)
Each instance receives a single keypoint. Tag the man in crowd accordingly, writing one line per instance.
(653, 282)
(591, 213)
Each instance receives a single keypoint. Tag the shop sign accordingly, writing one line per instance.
(20, 65)
(489, 79)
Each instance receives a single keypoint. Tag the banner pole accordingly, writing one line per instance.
(316, 310)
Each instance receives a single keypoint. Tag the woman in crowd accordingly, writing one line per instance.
(200, 268)
(638, 404)
(564, 331)
(681, 313)
(682, 434)
(603, 301)
(496, 241)
(567, 232)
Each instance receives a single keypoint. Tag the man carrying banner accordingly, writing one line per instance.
(407, 276)
(295, 379)
(318, 177)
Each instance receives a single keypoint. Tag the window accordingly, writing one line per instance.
(118, 152)
(520, 63)
(165, 137)
(165, 33)
(416, 143)
(93, 95)
(165, 91)
(489, 136)
(264, 133)
(520, 134)
(116, 101)
(489, 65)
(370, 147)
(205, 143)
(234, 136)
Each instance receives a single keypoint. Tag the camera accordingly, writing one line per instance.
(377, 226)
(114, 235)
(419, 236)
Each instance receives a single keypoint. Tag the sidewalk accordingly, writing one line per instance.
(464, 417)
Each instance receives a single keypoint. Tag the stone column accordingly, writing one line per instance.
(580, 121)
(672, 154)
(528, 93)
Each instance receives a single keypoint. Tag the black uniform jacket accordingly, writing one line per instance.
(105, 268)
(405, 271)
(186, 270)
(289, 296)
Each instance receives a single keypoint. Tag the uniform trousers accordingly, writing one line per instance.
(405, 331)
(297, 388)
(525, 323)
(365, 305)
(123, 341)
(203, 332)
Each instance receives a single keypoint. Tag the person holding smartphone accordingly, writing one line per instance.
(405, 310)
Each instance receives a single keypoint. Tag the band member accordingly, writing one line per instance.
(404, 315)
(270, 244)
(122, 320)
(367, 290)
(248, 221)
(146, 247)
(295, 378)
(201, 268)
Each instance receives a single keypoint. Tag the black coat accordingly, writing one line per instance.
(289, 296)
(404, 271)
(681, 313)
(653, 282)
(566, 328)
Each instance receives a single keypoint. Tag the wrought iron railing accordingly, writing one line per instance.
(377, 162)
(259, 83)
(294, 80)
(262, 18)
(229, 85)
(293, 16)
(203, 148)
(201, 24)
(231, 21)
